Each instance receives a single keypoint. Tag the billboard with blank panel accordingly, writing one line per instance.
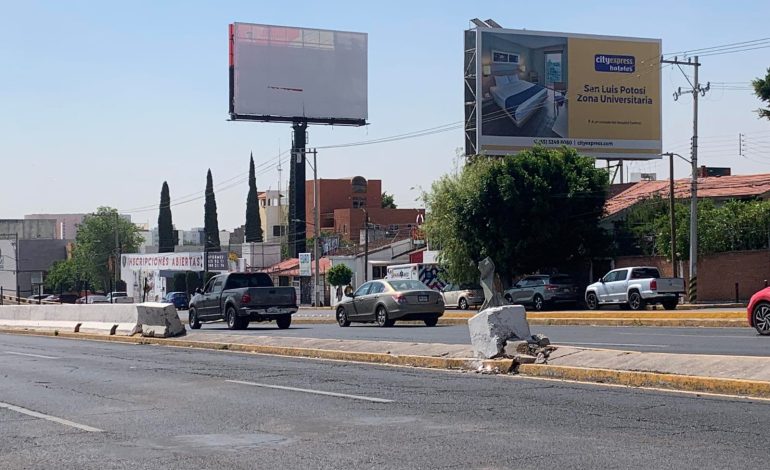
(599, 94)
(289, 74)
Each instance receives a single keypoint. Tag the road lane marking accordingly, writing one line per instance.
(613, 344)
(315, 392)
(63, 421)
(694, 335)
(31, 355)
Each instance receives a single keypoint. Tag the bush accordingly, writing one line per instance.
(339, 275)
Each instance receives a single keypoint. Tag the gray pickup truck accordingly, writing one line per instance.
(240, 298)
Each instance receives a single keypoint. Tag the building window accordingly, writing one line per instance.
(358, 184)
(279, 230)
(359, 203)
(379, 272)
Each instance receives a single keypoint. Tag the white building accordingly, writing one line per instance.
(274, 215)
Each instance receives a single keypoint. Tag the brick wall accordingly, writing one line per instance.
(717, 274)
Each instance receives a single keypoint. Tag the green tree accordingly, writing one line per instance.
(762, 90)
(387, 201)
(339, 275)
(166, 238)
(253, 219)
(211, 225)
(538, 209)
(67, 275)
(95, 245)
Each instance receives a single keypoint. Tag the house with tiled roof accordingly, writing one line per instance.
(721, 188)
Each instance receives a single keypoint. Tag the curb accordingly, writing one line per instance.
(502, 366)
(665, 322)
(689, 383)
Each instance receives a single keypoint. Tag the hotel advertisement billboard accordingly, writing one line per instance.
(599, 94)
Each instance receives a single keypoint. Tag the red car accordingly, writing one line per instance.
(759, 311)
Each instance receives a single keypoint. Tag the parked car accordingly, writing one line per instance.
(635, 287)
(179, 299)
(119, 298)
(37, 297)
(385, 301)
(62, 298)
(93, 299)
(462, 296)
(759, 311)
(542, 291)
(240, 298)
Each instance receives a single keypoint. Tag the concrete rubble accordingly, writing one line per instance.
(504, 332)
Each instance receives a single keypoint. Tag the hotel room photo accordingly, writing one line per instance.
(523, 85)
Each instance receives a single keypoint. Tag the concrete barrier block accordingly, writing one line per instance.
(491, 328)
(158, 320)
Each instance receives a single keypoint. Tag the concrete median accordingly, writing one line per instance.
(148, 319)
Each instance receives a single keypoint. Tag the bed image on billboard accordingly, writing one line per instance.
(289, 74)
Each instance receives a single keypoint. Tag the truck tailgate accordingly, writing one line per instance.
(262, 297)
(672, 285)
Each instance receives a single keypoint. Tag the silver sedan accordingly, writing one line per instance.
(385, 301)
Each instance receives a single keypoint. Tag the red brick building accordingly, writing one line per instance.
(342, 203)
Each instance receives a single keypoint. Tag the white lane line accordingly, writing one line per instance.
(612, 344)
(694, 335)
(35, 414)
(31, 355)
(315, 392)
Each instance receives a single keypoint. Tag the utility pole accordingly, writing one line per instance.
(366, 245)
(316, 233)
(696, 90)
(675, 268)
(116, 263)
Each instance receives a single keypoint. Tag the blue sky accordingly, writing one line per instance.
(100, 102)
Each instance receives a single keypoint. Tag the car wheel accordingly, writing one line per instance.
(761, 317)
(431, 321)
(283, 322)
(233, 322)
(381, 317)
(192, 319)
(463, 304)
(342, 318)
(538, 303)
(635, 301)
(591, 301)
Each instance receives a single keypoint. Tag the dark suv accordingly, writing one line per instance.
(541, 291)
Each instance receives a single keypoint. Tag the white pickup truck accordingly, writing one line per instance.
(636, 287)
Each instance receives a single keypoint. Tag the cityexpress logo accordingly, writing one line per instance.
(614, 63)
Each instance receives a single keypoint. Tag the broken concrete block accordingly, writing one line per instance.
(514, 348)
(491, 328)
(524, 359)
(159, 320)
(540, 340)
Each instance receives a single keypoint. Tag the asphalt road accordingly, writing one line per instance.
(79, 404)
(729, 341)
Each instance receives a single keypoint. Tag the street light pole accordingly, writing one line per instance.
(671, 156)
(366, 245)
(316, 233)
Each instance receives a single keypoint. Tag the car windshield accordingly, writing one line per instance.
(469, 286)
(407, 285)
(561, 280)
(239, 281)
(645, 273)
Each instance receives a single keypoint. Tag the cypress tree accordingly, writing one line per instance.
(210, 223)
(165, 225)
(253, 219)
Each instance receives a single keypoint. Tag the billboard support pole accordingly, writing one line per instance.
(696, 90)
(297, 217)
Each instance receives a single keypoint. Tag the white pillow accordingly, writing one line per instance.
(513, 78)
(501, 80)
